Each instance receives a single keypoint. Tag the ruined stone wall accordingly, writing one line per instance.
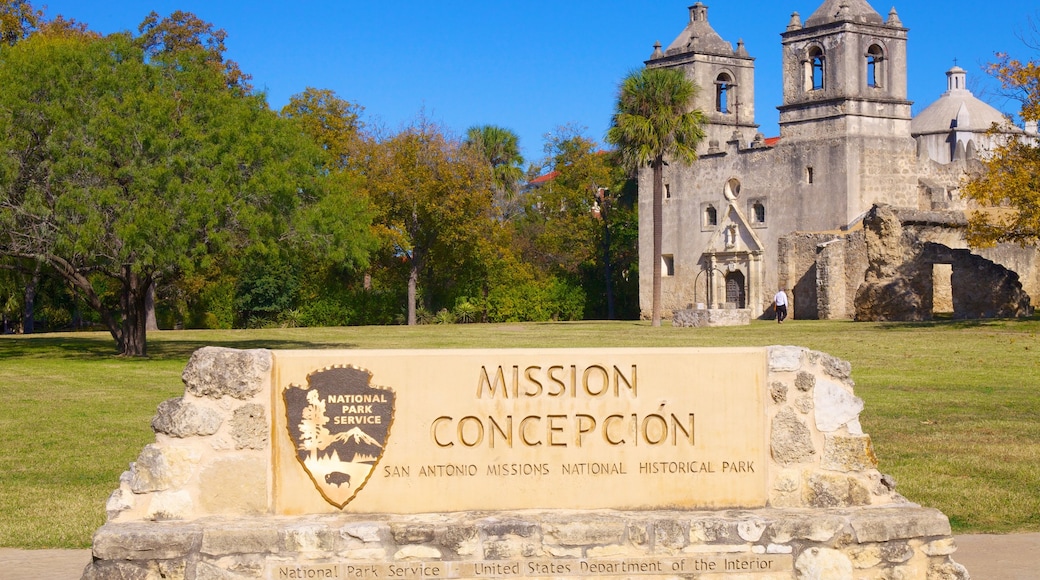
(904, 245)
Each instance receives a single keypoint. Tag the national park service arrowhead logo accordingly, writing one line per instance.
(340, 424)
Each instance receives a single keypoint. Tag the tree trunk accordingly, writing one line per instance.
(606, 260)
(658, 168)
(413, 282)
(29, 309)
(133, 301)
(149, 305)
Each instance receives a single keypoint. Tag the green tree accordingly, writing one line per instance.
(118, 171)
(434, 198)
(1009, 188)
(654, 122)
(500, 147)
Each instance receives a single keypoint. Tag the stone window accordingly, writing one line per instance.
(711, 217)
(814, 70)
(723, 87)
(667, 265)
(875, 57)
(667, 191)
(757, 212)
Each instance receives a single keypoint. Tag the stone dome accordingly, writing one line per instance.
(844, 11)
(956, 110)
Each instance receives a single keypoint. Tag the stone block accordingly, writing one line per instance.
(785, 358)
(835, 406)
(778, 392)
(886, 524)
(823, 563)
(241, 539)
(160, 467)
(217, 372)
(170, 505)
(804, 382)
(820, 527)
(179, 418)
(848, 453)
(790, 439)
(414, 552)
(825, 490)
(234, 485)
(596, 532)
(146, 541)
(249, 427)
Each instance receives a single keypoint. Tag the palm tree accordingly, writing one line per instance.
(501, 148)
(654, 120)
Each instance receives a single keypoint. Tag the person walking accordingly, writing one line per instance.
(780, 300)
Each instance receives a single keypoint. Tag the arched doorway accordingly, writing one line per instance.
(735, 293)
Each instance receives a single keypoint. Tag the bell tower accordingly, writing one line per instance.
(724, 75)
(844, 73)
(845, 112)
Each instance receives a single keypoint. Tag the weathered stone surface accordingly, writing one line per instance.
(241, 539)
(146, 541)
(804, 404)
(669, 534)
(365, 532)
(804, 382)
(943, 547)
(307, 538)
(120, 500)
(160, 468)
(819, 527)
(179, 418)
(823, 563)
(836, 367)
(751, 530)
(249, 427)
(864, 557)
(885, 524)
(785, 358)
(897, 552)
(947, 571)
(217, 372)
(414, 552)
(835, 406)
(710, 530)
(835, 490)
(234, 484)
(778, 392)
(170, 505)
(697, 318)
(899, 282)
(848, 453)
(790, 439)
(587, 532)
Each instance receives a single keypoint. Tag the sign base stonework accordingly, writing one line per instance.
(742, 463)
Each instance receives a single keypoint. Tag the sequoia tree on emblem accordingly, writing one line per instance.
(340, 424)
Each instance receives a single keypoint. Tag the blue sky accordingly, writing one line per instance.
(536, 65)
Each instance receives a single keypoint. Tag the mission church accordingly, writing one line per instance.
(752, 214)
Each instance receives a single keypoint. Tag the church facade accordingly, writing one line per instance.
(847, 142)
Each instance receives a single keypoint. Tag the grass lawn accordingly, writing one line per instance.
(953, 407)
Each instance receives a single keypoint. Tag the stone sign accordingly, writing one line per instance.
(480, 430)
(735, 463)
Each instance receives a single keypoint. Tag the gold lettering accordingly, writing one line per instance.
(484, 379)
(607, 431)
(433, 432)
(529, 374)
(586, 424)
(630, 382)
(523, 431)
(604, 380)
(479, 431)
(677, 426)
(660, 433)
(553, 428)
(507, 433)
(552, 378)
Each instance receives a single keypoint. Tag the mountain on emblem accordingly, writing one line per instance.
(339, 424)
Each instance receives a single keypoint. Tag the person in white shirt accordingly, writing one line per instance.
(781, 306)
